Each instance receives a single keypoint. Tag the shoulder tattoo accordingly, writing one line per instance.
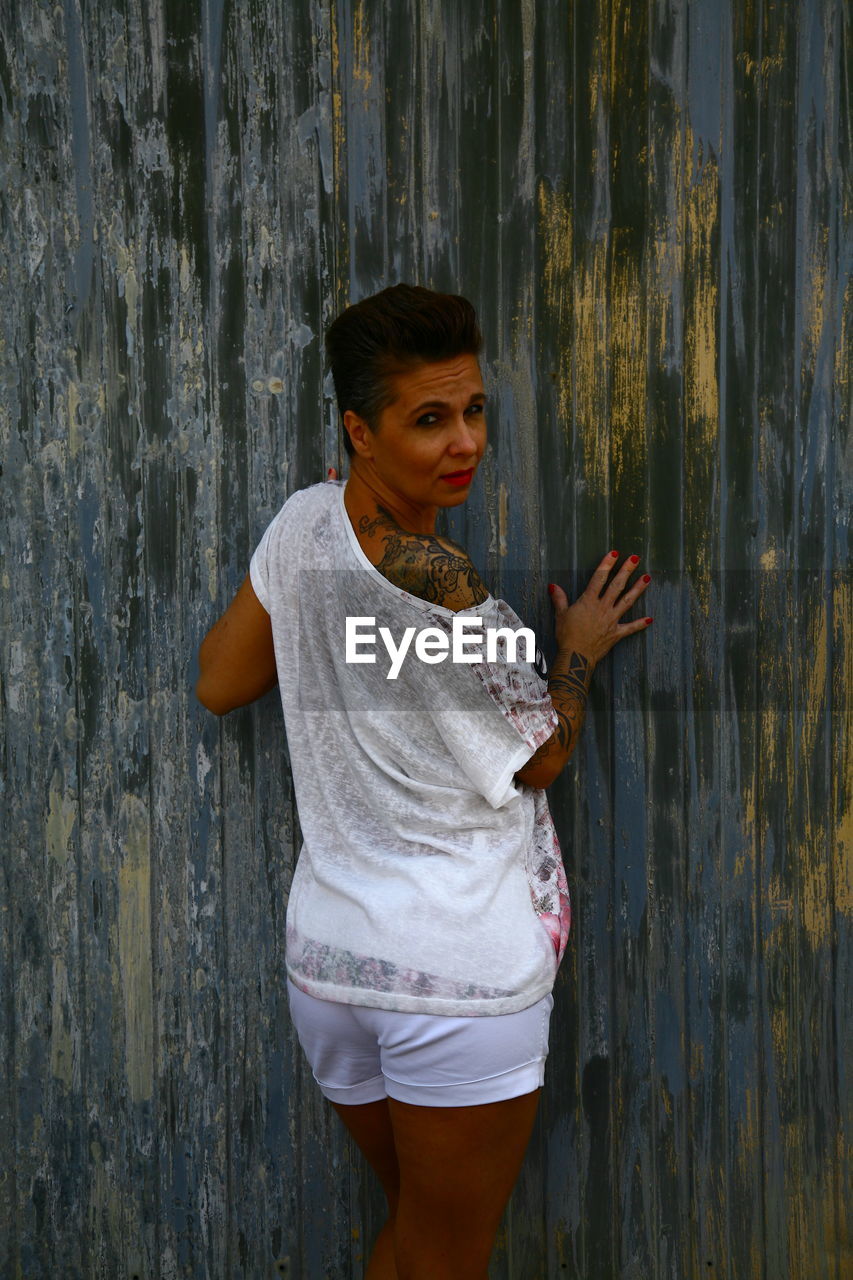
(434, 569)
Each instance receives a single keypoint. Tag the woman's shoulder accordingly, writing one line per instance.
(432, 567)
(304, 514)
(303, 503)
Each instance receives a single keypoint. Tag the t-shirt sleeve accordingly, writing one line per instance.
(259, 566)
(492, 716)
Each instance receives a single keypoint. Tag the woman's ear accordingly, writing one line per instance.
(359, 433)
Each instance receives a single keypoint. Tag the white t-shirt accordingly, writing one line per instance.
(428, 880)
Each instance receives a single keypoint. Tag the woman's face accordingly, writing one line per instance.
(430, 439)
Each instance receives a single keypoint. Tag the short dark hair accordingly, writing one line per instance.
(388, 333)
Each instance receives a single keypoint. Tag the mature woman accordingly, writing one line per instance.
(429, 909)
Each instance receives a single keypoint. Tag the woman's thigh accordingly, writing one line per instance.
(370, 1126)
(458, 1166)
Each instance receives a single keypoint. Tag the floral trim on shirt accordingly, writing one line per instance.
(318, 962)
(546, 876)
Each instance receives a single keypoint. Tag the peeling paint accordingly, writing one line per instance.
(134, 947)
(361, 48)
(61, 822)
(628, 373)
(592, 337)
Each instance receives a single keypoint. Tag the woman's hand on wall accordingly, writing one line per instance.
(586, 631)
(591, 626)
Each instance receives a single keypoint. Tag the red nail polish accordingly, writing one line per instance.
(647, 577)
(551, 587)
(648, 620)
(635, 559)
(614, 553)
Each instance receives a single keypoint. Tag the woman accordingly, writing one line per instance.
(429, 909)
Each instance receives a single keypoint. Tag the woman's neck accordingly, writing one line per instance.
(366, 495)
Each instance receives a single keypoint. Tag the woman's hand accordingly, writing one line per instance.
(591, 625)
(586, 631)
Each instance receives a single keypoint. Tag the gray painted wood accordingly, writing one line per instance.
(647, 204)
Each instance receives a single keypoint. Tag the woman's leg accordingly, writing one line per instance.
(370, 1126)
(457, 1167)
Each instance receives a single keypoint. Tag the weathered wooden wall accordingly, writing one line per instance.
(647, 201)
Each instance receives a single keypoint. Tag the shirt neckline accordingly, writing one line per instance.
(425, 606)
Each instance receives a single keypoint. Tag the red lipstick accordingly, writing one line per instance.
(460, 478)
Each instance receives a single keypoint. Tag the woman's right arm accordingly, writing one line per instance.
(586, 631)
(237, 659)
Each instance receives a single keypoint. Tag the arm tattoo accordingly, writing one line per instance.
(437, 571)
(568, 686)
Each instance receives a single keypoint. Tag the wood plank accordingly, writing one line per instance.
(560, 1108)
(818, 302)
(703, 638)
(775, 77)
(741, 849)
(514, 525)
(665, 602)
(597, 1246)
(629, 484)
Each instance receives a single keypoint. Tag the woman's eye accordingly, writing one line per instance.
(427, 419)
(476, 408)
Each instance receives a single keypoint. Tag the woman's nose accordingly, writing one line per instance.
(464, 437)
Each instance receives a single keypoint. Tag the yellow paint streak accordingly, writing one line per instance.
(842, 682)
(747, 1160)
(703, 389)
(628, 367)
(666, 250)
(776, 742)
(591, 367)
(701, 383)
(845, 344)
(61, 818)
(556, 229)
(134, 946)
(185, 274)
(814, 297)
(556, 232)
(125, 270)
(816, 902)
(338, 145)
(361, 49)
(72, 404)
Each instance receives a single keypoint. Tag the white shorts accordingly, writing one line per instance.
(363, 1055)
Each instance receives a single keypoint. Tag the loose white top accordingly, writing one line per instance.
(428, 880)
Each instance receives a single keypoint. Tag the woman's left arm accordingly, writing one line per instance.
(237, 659)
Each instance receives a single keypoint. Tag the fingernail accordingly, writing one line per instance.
(635, 559)
(551, 587)
(647, 577)
(614, 553)
(648, 620)
(329, 473)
